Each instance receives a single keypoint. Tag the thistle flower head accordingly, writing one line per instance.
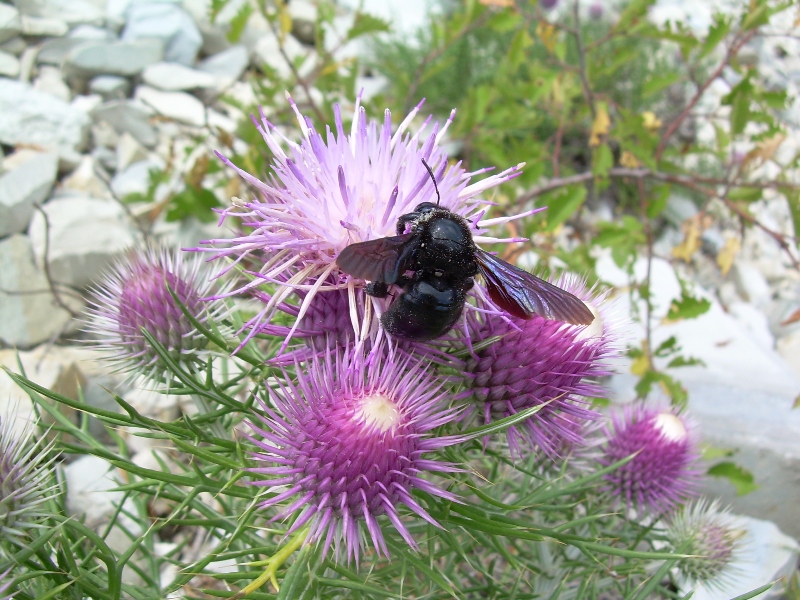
(135, 295)
(541, 362)
(663, 471)
(24, 481)
(335, 188)
(710, 538)
(346, 443)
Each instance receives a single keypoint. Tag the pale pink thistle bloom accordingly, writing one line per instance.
(542, 362)
(25, 482)
(345, 445)
(135, 294)
(334, 189)
(663, 471)
(711, 540)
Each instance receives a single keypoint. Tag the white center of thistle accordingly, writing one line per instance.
(379, 411)
(671, 427)
(595, 329)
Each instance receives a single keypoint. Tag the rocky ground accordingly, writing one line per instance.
(96, 94)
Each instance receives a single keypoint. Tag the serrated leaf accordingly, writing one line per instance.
(602, 160)
(563, 206)
(194, 202)
(685, 361)
(740, 113)
(365, 23)
(716, 34)
(667, 347)
(238, 23)
(687, 307)
(746, 194)
(656, 83)
(737, 475)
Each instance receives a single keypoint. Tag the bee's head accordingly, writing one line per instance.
(426, 207)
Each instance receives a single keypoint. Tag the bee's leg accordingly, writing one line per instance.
(468, 283)
(377, 289)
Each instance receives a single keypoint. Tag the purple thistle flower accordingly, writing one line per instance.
(548, 4)
(24, 480)
(663, 472)
(541, 362)
(596, 10)
(346, 444)
(710, 537)
(335, 189)
(134, 295)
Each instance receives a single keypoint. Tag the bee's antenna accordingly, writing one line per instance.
(438, 197)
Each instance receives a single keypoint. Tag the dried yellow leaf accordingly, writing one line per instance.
(548, 34)
(640, 365)
(692, 230)
(727, 254)
(763, 151)
(284, 20)
(629, 161)
(650, 121)
(600, 126)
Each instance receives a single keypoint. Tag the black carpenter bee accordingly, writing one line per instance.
(441, 255)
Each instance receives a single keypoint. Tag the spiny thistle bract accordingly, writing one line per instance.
(332, 190)
(135, 295)
(663, 471)
(24, 481)
(708, 535)
(541, 362)
(6, 579)
(345, 442)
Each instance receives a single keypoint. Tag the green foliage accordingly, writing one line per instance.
(737, 475)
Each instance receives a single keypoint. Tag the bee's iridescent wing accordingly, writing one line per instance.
(382, 260)
(522, 294)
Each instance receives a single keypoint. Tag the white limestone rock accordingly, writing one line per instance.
(9, 65)
(129, 151)
(177, 106)
(34, 118)
(71, 11)
(10, 24)
(135, 178)
(26, 318)
(741, 399)
(110, 87)
(43, 26)
(83, 181)
(85, 236)
(22, 188)
(226, 66)
(127, 58)
(168, 23)
(127, 116)
(51, 82)
(175, 77)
